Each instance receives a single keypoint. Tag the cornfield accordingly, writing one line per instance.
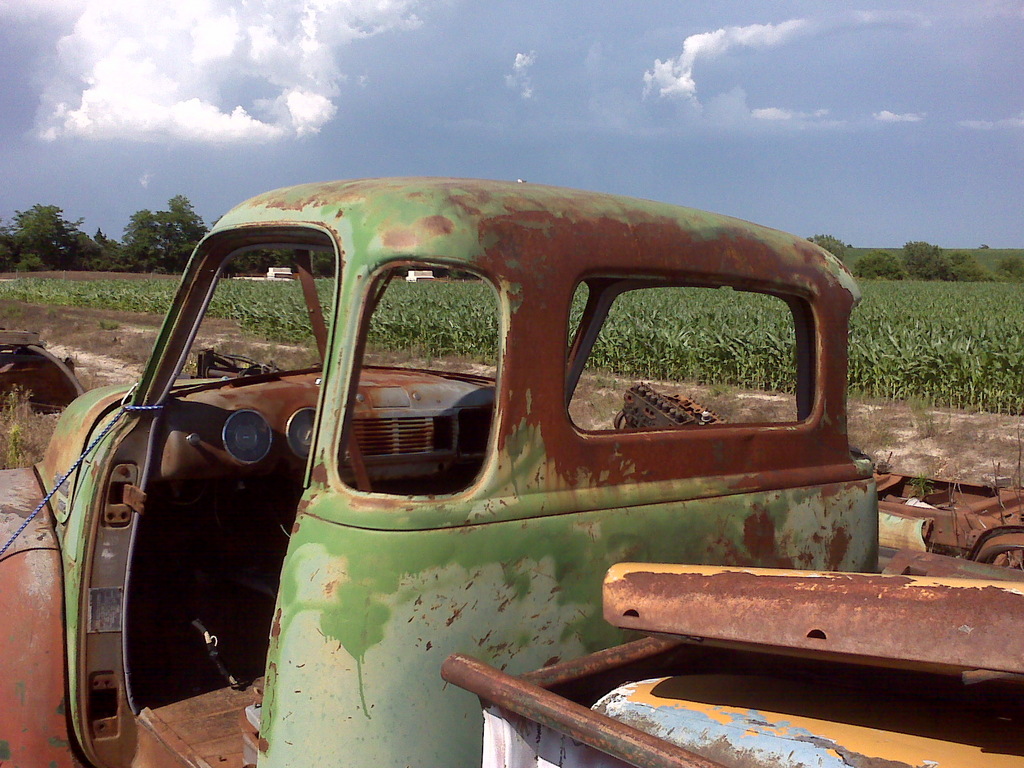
(952, 344)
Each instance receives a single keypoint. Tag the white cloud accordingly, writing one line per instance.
(145, 178)
(772, 113)
(674, 77)
(986, 125)
(206, 70)
(885, 116)
(519, 80)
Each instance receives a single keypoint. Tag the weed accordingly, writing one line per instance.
(109, 325)
(14, 453)
(23, 433)
(921, 486)
(924, 417)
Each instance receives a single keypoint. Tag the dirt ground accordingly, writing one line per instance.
(110, 347)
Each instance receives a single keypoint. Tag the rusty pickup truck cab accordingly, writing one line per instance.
(255, 565)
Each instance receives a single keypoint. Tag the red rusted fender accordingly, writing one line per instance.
(33, 724)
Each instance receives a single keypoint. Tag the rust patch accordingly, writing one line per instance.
(438, 225)
(759, 536)
(838, 547)
(400, 239)
(319, 474)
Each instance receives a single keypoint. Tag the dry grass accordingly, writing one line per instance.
(939, 442)
(24, 433)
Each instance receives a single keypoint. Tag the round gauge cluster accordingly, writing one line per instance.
(300, 431)
(247, 436)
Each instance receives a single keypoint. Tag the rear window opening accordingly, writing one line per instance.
(667, 357)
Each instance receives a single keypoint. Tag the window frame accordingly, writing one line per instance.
(362, 316)
(604, 290)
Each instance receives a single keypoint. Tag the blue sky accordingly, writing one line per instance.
(879, 123)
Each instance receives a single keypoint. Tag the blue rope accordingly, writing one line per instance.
(78, 462)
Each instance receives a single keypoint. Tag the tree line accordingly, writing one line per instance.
(918, 260)
(42, 239)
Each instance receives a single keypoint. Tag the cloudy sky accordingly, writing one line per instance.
(878, 123)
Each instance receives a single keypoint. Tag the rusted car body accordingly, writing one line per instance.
(26, 365)
(983, 523)
(769, 668)
(271, 567)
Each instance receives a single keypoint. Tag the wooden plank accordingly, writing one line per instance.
(226, 751)
(160, 746)
(206, 704)
(204, 730)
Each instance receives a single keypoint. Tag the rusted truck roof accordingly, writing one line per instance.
(417, 217)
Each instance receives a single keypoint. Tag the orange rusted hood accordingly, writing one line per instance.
(33, 724)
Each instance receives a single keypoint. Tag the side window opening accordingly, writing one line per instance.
(421, 410)
(646, 355)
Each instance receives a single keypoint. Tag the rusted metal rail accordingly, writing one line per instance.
(950, 623)
(574, 720)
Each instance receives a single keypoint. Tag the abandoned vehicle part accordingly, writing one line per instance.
(588, 733)
(823, 614)
(1000, 546)
(341, 529)
(643, 407)
(736, 679)
(211, 364)
(981, 522)
(407, 424)
(26, 365)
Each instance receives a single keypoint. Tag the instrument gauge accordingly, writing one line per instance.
(247, 436)
(300, 431)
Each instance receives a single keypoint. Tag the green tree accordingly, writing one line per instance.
(41, 238)
(880, 265)
(1011, 269)
(925, 261)
(162, 241)
(108, 255)
(6, 248)
(965, 268)
(832, 244)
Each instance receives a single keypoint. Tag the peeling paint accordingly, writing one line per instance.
(759, 721)
(374, 586)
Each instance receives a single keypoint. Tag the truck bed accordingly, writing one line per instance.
(204, 731)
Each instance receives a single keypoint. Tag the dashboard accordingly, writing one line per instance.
(407, 423)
